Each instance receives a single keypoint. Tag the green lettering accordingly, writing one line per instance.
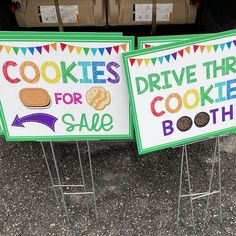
(71, 126)
(230, 64)
(84, 123)
(208, 69)
(205, 95)
(166, 79)
(178, 79)
(66, 72)
(221, 68)
(190, 72)
(138, 81)
(153, 80)
(107, 121)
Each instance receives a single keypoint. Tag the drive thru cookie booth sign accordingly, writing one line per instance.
(183, 93)
(64, 90)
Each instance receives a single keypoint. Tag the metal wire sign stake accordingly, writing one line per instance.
(194, 196)
(59, 185)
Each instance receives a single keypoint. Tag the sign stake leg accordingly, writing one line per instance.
(82, 174)
(92, 180)
(211, 178)
(189, 186)
(59, 180)
(180, 186)
(50, 174)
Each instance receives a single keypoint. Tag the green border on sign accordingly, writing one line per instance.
(141, 52)
(167, 39)
(1, 130)
(54, 38)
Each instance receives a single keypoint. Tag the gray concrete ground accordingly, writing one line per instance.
(134, 197)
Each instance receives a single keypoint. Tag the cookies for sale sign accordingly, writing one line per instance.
(70, 90)
(183, 92)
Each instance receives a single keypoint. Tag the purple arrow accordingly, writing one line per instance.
(41, 118)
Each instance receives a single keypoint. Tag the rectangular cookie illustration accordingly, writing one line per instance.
(35, 98)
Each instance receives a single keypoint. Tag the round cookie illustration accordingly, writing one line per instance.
(98, 97)
(184, 123)
(201, 119)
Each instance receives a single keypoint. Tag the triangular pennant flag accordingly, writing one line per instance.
(215, 47)
(174, 55)
(209, 47)
(167, 57)
(94, 50)
(78, 49)
(123, 46)
(195, 47)
(154, 60)
(234, 42)
(202, 48)
(39, 49)
(132, 61)
(71, 48)
(181, 52)
(8, 49)
(116, 48)
(46, 47)
(222, 46)
(23, 50)
(147, 45)
(101, 50)
(160, 59)
(54, 46)
(1, 47)
(139, 61)
(86, 50)
(15, 49)
(109, 50)
(63, 46)
(187, 50)
(31, 49)
(229, 45)
(146, 60)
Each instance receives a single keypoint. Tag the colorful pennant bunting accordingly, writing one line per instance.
(31, 49)
(94, 50)
(86, 51)
(139, 61)
(167, 57)
(78, 49)
(39, 49)
(71, 48)
(215, 47)
(109, 50)
(209, 47)
(154, 61)
(174, 55)
(63, 46)
(101, 50)
(146, 60)
(160, 59)
(132, 61)
(8, 49)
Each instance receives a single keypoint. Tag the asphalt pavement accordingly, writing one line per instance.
(134, 195)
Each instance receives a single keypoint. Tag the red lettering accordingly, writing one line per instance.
(153, 109)
(5, 72)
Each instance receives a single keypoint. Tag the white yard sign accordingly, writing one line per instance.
(184, 92)
(71, 90)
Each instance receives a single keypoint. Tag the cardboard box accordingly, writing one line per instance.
(139, 12)
(42, 13)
